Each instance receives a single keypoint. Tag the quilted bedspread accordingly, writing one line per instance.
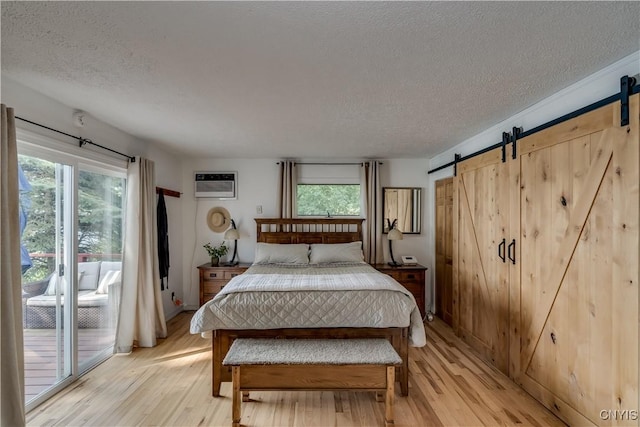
(312, 296)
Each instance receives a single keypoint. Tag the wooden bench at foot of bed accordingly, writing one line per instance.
(322, 364)
(222, 339)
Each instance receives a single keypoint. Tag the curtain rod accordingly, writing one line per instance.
(81, 141)
(633, 89)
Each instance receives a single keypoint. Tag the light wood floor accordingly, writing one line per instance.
(169, 385)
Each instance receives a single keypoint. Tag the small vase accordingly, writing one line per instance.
(215, 261)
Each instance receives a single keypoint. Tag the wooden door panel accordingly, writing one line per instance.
(444, 250)
(447, 297)
(482, 277)
(546, 255)
(579, 267)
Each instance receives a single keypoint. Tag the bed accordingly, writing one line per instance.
(308, 280)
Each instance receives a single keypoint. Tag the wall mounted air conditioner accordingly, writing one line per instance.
(216, 185)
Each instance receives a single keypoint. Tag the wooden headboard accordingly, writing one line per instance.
(313, 230)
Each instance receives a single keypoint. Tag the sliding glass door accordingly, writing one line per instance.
(47, 248)
(100, 221)
(72, 229)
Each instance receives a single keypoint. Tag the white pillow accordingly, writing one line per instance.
(336, 252)
(90, 275)
(111, 277)
(51, 287)
(275, 253)
(53, 281)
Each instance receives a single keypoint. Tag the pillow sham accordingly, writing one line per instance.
(336, 252)
(276, 253)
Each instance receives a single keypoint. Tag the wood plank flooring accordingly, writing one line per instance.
(169, 385)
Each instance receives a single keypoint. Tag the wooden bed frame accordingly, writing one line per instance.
(297, 230)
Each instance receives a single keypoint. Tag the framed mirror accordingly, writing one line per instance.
(403, 204)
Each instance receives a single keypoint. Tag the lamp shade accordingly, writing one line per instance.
(232, 234)
(394, 234)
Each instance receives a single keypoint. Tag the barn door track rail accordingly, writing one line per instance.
(628, 86)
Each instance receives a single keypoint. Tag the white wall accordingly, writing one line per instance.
(257, 185)
(36, 107)
(593, 88)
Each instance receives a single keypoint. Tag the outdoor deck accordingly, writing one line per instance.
(40, 355)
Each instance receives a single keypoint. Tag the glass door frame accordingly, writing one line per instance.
(74, 159)
(65, 247)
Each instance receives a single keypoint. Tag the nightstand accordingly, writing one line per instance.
(411, 277)
(213, 279)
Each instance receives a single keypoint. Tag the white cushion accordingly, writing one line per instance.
(90, 273)
(53, 281)
(51, 287)
(85, 299)
(336, 252)
(275, 253)
(110, 278)
(107, 266)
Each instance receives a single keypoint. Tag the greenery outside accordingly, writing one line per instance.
(332, 199)
(100, 216)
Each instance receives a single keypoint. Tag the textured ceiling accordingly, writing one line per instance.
(309, 79)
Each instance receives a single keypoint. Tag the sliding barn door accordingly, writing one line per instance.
(578, 265)
(481, 270)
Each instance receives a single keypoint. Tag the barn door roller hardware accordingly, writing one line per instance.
(628, 87)
(515, 134)
(505, 141)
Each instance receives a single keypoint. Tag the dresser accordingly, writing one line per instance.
(213, 279)
(411, 277)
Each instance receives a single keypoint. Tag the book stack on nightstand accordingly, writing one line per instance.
(411, 277)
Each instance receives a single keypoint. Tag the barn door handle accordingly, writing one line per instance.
(501, 248)
(511, 251)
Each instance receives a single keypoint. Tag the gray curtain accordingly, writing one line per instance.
(371, 190)
(287, 181)
(141, 319)
(11, 339)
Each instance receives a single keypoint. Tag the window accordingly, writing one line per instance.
(328, 199)
(324, 190)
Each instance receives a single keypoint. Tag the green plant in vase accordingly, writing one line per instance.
(215, 252)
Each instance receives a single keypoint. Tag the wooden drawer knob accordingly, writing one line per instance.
(213, 275)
